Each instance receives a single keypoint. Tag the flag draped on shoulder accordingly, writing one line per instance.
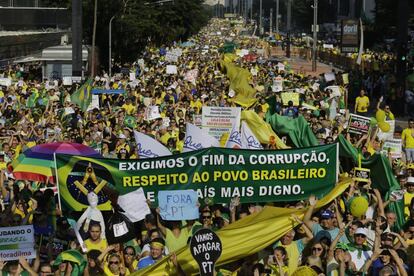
(83, 96)
(248, 140)
(148, 147)
(197, 138)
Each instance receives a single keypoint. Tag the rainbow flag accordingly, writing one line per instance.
(83, 96)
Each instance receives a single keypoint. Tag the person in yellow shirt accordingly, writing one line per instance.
(361, 104)
(407, 137)
(129, 107)
(95, 241)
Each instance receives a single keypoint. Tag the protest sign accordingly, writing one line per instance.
(171, 69)
(290, 96)
(394, 146)
(358, 124)
(171, 56)
(67, 81)
(17, 241)
(178, 205)
(218, 173)
(135, 205)
(94, 103)
(329, 76)
(5, 82)
(97, 91)
(277, 84)
(219, 120)
(191, 76)
(206, 248)
(362, 174)
(152, 112)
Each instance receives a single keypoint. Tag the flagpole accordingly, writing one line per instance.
(57, 181)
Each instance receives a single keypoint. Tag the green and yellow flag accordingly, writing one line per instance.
(83, 96)
(239, 83)
(245, 236)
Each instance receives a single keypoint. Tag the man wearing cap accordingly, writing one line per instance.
(325, 221)
(122, 144)
(408, 195)
(156, 249)
(360, 253)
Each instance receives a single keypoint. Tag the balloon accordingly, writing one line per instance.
(304, 271)
(384, 126)
(380, 115)
(359, 206)
(373, 121)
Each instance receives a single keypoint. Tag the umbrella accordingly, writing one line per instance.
(37, 163)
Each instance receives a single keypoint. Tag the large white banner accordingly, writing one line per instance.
(148, 147)
(197, 138)
(248, 140)
(17, 241)
(219, 120)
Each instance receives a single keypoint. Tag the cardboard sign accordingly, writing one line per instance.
(290, 96)
(178, 205)
(206, 248)
(17, 241)
(220, 120)
(152, 113)
(394, 146)
(358, 124)
(277, 84)
(362, 174)
(135, 205)
(329, 76)
(171, 69)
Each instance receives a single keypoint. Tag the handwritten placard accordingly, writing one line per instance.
(358, 124)
(178, 205)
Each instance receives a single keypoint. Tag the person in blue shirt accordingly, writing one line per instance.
(291, 111)
(157, 247)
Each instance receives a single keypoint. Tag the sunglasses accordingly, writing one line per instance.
(360, 235)
(111, 263)
(206, 217)
(317, 249)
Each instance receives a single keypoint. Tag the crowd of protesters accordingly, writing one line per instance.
(328, 242)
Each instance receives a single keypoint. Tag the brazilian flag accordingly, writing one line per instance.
(130, 121)
(83, 96)
(31, 101)
(76, 259)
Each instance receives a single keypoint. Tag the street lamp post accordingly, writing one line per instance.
(260, 20)
(315, 34)
(288, 26)
(110, 46)
(277, 17)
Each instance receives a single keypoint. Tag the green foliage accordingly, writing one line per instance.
(140, 22)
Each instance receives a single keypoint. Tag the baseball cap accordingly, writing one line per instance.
(362, 231)
(327, 214)
(410, 179)
(122, 136)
